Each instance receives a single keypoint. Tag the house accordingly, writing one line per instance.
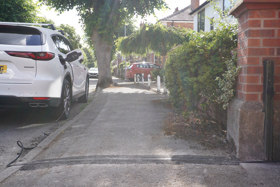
(179, 18)
(203, 11)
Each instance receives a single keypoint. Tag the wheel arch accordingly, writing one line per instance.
(68, 77)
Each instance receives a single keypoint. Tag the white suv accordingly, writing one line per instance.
(40, 68)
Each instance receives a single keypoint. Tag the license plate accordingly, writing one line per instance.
(3, 69)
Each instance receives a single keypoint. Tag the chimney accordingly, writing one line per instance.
(194, 4)
(176, 10)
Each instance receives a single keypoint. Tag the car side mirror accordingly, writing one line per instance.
(76, 54)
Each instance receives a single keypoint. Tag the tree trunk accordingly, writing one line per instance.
(103, 55)
(163, 60)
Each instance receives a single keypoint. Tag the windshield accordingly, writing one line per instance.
(93, 69)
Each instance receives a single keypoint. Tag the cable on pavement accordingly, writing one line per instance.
(20, 144)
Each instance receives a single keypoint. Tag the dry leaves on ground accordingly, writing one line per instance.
(208, 134)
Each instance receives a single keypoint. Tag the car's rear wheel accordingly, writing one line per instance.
(84, 98)
(63, 110)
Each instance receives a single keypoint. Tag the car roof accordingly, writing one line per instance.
(49, 31)
(145, 63)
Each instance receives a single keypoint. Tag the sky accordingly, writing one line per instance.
(71, 18)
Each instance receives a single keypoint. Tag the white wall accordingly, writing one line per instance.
(209, 13)
(195, 22)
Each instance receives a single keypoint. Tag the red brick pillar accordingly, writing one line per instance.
(258, 39)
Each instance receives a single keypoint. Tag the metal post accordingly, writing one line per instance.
(125, 56)
(149, 80)
(137, 78)
(158, 83)
(125, 70)
(268, 92)
(142, 78)
(134, 78)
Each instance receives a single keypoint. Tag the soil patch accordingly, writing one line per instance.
(209, 135)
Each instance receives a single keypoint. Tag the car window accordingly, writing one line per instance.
(62, 44)
(130, 67)
(154, 66)
(93, 69)
(143, 65)
(19, 36)
(67, 42)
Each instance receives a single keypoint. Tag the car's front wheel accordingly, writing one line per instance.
(63, 110)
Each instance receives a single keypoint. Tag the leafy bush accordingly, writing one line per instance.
(114, 70)
(191, 69)
(157, 72)
(227, 82)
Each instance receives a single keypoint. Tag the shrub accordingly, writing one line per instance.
(227, 82)
(156, 72)
(191, 69)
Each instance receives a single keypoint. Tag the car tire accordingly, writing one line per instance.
(63, 110)
(84, 98)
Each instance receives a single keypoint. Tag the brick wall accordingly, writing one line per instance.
(151, 57)
(180, 25)
(194, 4)
(258, 39)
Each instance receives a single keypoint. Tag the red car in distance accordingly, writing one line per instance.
(139, 68)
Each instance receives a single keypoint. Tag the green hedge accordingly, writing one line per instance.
(191, 69)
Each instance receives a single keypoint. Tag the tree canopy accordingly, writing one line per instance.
(19, 11)
(70, 33)
(89, 58)
(155, 37)
(122, 31)
(101, 18)
(106, 15)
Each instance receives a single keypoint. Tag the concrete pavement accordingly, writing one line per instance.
(119, 140)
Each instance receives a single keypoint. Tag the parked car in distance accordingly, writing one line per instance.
(93, 72)
(139, 68)
(40, 68)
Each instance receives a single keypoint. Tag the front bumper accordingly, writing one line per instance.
(93, 74)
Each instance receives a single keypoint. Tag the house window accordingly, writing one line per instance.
(226, 4)
(201, 20)
(211, 24)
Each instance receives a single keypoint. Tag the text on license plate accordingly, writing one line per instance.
(3, 69)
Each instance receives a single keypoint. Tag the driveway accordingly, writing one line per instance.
(119, 140)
